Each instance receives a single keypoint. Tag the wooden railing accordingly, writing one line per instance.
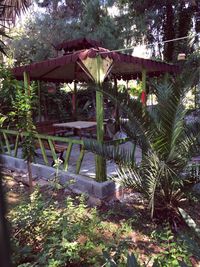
(10, 142)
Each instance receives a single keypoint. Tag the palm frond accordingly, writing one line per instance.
(169, 114)
(184, 148)
(10, 9)
(130, 177)
(13, 8)
(117, 153)
(157, 176)
(139, 123)
(138, 137)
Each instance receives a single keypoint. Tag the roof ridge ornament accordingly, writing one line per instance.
(77, 44)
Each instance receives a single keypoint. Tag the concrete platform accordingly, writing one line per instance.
(88, 163)
(84, 182)
(77, 183)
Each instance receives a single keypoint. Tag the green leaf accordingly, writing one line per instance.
(2, 119)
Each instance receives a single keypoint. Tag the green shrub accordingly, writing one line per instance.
(47, 234)
(174, 252)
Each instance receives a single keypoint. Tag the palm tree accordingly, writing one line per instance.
(167, 144)
(9, 10)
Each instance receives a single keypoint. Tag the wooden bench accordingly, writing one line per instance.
(46, 127)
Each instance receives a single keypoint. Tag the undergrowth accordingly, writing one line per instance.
(44, 234)
(51, 233)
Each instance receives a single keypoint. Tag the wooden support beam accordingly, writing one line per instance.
(43, 152)
(53, 152)
(97, 69)
(166, 77)
(27, 83)
(117, 122)
(68, 153)
(39, 100)
(29, 119)
(2, 145)
(7, 143)
(16, 145)
(74, 106)
(144, 77)
(144, 96)
(27, 93)
(100, 161)
(80, 159)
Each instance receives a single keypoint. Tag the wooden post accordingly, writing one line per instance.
(45, 108)
(117, 123)
(27, 83)
(39, 100)
(27, 90)
(144, 96)
(100, 161)
(74, 110)
(27, 93)
(97, 69)
(166, 77)
(144, 76)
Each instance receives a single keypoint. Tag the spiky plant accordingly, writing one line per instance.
(166, 142)
(9, 11)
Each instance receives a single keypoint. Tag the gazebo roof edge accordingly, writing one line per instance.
(150, 65)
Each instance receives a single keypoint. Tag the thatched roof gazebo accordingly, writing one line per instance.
(85, 60)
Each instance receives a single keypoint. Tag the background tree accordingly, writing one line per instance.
(157, 21)
(69, 20)
(116, 24)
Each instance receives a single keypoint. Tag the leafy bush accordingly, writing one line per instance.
(174, 253)
(47, 234)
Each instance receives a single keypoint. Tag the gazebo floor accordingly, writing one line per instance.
(88, 163)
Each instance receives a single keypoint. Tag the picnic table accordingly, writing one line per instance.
(78, 127)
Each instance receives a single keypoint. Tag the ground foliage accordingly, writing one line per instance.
(50, 235)
(54, 228)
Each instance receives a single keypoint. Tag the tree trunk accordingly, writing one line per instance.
(169, 32)
(4, 240)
